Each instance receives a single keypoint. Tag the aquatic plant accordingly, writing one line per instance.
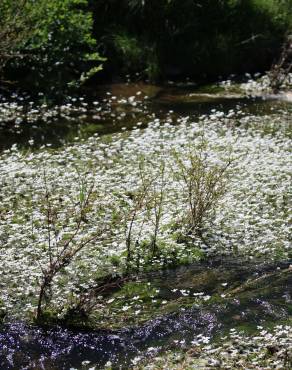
(251, 218)
(139, 199)
(266, 349)
(157, 198)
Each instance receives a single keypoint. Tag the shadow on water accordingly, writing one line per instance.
(242, 295)
(114, 116)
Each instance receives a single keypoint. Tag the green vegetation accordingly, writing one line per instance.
(55, 45)
(266, 349)
(47, 44)
(146, 248)
(145, 222)
(168, 38)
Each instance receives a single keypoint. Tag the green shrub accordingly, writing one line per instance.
(56, 48)
(15, 28)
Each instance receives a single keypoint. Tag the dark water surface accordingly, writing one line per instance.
(114, 117)
(255, 294)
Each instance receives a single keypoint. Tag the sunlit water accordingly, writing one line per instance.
(263, 303)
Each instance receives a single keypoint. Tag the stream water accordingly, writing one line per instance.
(254, 294)
(84, 121)
(243, 294)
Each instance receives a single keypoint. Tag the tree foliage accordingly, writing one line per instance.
(51, 45)
(48, 41)
(15, 29)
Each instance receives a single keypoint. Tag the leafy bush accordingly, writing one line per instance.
(55, 48)
(203, 186)
(15, 29)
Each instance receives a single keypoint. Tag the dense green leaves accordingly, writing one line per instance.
(15, 29)
(55, 46)
(52, 45)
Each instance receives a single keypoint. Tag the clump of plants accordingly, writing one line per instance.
(62, 244)
(140, 213)
(202, 185)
